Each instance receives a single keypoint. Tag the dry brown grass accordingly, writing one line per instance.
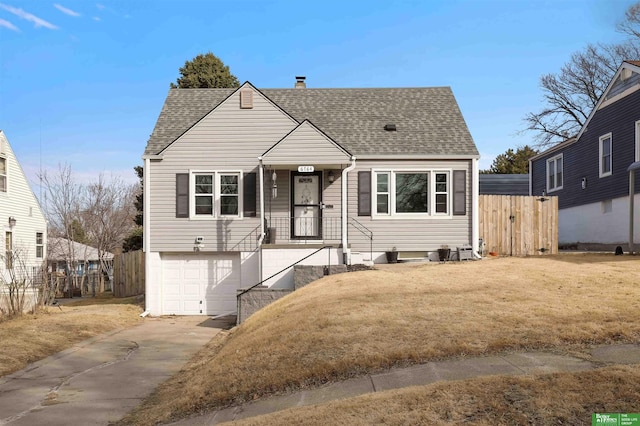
(33, 337)
(351, 324)
(555, 399)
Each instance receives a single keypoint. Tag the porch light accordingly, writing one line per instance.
(12, 221)
(274, 188)
(331, 176)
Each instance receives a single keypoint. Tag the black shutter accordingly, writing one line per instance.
(459, 192)
(182, 194)
(249, 197)
(364, 193)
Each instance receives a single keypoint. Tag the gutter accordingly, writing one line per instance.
(346, 252)
(475, 202)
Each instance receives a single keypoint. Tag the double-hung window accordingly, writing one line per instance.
(382, 194)
(39, 245)
(606, 148)
(215, 194)
(229, 194)
(442, 193)
(554, 173)
(412, 193)
(203, 194)
(3, 174)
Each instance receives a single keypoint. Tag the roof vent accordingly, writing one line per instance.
(300, 84)
(390, 127)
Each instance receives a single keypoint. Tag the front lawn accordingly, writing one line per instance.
(351, 324)
(31, 337)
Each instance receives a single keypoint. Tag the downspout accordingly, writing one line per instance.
(346, 252)
(475, 202)
(262, 230)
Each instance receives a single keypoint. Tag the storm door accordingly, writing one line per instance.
(306, 200)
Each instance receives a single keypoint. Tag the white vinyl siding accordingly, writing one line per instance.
(606, 153)
(555, 173)
(411, 193)
(20, 203)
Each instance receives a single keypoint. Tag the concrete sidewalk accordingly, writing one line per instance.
(101, 379)
(511, 364)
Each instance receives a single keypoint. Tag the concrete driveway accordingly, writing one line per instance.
(101, 379)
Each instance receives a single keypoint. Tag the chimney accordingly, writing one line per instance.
(300, 84)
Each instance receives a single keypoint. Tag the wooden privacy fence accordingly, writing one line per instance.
(128, 274)
(515, 225)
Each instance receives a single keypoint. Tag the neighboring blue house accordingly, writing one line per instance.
(591, 173)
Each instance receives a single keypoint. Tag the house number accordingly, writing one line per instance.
(305, 169)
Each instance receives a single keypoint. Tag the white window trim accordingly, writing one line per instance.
(554, 159)
(40, 245)
(6, 175)
(600, 140)
(637, 157)
(388, 193)
(216, 194)
(392, 195)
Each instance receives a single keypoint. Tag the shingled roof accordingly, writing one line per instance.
(428, 120)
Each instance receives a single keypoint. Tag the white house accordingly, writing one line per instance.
(25, 229)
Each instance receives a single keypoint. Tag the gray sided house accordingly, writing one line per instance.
(593, 174)
(242, 183)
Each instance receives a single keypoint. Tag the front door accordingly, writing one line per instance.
(306, 200)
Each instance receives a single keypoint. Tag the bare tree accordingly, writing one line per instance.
(570, 95)
(19, 284)
(63, 203)
(631, 23)
(108, 218)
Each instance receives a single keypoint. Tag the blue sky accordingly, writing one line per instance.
(83, 82)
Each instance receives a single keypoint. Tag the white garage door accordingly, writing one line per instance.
(200, 284)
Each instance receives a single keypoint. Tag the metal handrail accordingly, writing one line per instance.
(366, 232)
(281, 271)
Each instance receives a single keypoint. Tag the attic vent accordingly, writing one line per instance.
(625, 74)
(300, 84)
(390, 127)
(246, 99)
